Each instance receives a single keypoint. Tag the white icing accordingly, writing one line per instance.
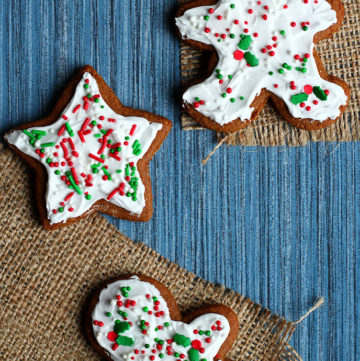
(247, 82)
(139, 289)
(57, 190)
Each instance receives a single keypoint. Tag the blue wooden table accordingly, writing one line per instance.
(280, 225)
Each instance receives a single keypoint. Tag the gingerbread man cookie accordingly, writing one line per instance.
(135, 318)
(263, 49)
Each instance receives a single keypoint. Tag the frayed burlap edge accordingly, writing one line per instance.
(46, 277)
(340, 56)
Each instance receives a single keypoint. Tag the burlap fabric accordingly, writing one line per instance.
(340, 56)
(46, 277)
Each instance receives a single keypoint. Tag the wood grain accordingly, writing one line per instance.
(281, 225)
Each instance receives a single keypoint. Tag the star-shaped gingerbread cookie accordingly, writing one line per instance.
(260, 50)
(136, 318)
(91, 154)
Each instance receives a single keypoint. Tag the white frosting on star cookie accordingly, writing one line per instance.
(131, 321)
(90, 153)
(262, 44)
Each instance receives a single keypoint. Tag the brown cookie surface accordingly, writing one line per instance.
(89, 113)
(299, 99)
(137, 317)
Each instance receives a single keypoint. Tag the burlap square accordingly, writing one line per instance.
(340, 56)
(45, 278)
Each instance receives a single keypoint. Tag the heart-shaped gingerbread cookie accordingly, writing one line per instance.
(136, 318)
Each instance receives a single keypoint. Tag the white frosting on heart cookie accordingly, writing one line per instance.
(90, 153)
(262, 44)
(131, 321)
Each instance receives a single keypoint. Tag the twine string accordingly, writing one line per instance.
(222, 141)
(319, 302)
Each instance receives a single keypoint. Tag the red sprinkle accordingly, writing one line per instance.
(76, 108)
(96, 158)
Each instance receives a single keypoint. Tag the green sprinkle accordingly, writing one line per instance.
(193, 354)
(251, 59)
(232, 100)
(86, 86)
(121, 327)
(320, 93)
(299, 98)
(93, 123)
(88, 197)
(45, 145)
(147, 346)
(182, 340)
(145, 309)
(271, 73)
(28, 134)
(161, 355)
(97, 135)
(108, 314)
(48, 160)
(242, 98)
(69, 129)
(207, 333)
(223, 95)
(232, 36)
(281, 71)
(106, 173)
(124, 341)
(102, 156)
(232, 6)
(206, 17)
(57, 172)
(283, 32)
(61, 209)
(38, 132)
(96, 100)
(72, 181)
(176, 354)
(167, 324)
(245, 42)
(201, 332)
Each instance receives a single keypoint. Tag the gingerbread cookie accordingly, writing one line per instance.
(136, 318)
(261, 50)
(91, 154)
